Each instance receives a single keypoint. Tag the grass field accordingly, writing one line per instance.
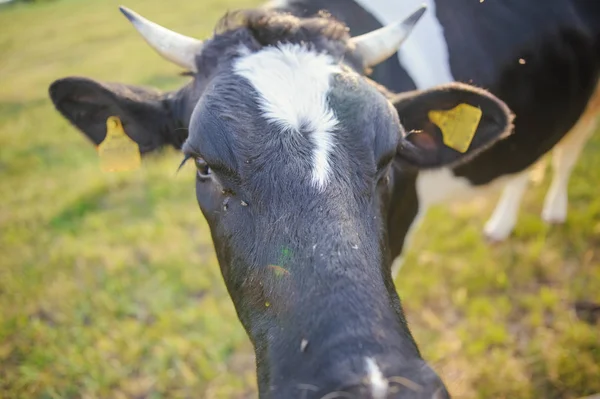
(109, 287)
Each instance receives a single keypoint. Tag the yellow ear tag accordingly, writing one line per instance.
(458, 125)
(118, 152)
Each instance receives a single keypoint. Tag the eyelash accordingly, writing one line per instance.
(203, 170)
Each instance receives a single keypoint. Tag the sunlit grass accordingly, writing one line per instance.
(109, 287)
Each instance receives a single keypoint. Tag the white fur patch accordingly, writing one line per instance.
(433, 187)
(439, 185)
(293, 84)
(424, 54)
(379, 384)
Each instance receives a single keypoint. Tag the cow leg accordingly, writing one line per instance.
(399, 261)
(396, 266)
(504, 218)
(564, 157)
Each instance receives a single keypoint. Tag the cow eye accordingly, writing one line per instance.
(204, 171)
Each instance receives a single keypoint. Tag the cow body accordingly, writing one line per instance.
(543, 61)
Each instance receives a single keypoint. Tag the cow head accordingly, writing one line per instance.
(293, 148)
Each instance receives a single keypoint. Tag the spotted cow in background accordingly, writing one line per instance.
(543, 60)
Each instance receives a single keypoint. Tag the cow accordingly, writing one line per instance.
(296, 154)
(546, 70)
(542, 60)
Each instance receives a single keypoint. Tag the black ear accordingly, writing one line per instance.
(449, 124)
(145, 113)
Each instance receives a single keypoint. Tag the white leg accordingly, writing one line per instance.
(537, 172)
(396, 266)
(564, 157)
(399, 261)
(504, 218)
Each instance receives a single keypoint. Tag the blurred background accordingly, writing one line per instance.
(109, 287)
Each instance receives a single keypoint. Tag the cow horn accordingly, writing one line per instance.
(179, 49)
(377, 46)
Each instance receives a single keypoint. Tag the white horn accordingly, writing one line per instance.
(381, 44)
(179, 49)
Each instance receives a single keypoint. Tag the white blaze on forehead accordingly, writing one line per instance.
(293, 84)
(379, 384)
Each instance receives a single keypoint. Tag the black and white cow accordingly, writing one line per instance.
(541, 58)
(543, 62)
(297, 154)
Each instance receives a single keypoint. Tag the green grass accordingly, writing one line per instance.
(109, 287)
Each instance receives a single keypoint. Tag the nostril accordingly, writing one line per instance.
(405, 382)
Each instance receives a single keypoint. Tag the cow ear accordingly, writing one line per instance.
(144, 113)
(448, 125)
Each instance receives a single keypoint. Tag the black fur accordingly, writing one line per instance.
(301, 265)
(560, 43)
